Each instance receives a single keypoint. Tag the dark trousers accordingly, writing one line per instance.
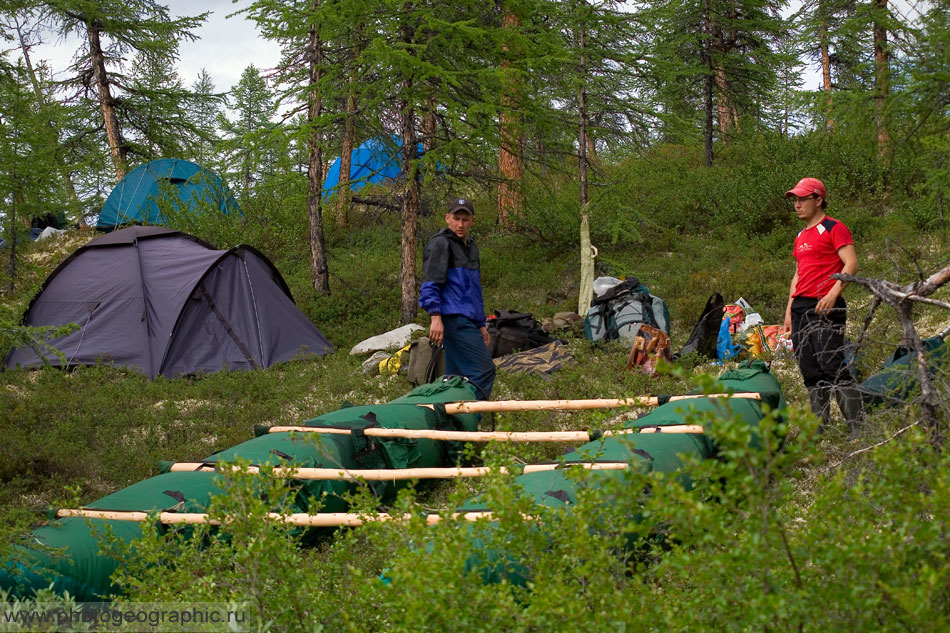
(818, 340)
(467, 355)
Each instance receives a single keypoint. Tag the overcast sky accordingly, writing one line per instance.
(226, 46)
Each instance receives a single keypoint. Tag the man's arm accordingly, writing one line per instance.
(849, 258)
(436, 329)
(787, 326)
(434, 270)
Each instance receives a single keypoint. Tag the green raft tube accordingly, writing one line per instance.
(66, 555)
(646, 452)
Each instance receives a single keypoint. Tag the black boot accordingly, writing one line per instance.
(819, 398)
(849, 401)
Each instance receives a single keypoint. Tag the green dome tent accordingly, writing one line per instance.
(135, 200)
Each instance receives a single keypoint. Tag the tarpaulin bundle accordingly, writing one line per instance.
(898, 376)
(645, 452)
(67, 556)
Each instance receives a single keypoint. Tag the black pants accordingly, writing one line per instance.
(818, 340)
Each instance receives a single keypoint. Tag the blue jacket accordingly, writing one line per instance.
(451, 283)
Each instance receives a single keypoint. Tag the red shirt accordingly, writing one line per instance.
(816, 251)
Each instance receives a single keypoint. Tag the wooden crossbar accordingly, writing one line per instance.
(489, 406)
(454, 436)
(325, 519)
(489, 436)
(395, 474)
(688, 429)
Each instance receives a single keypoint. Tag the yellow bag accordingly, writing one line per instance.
(397, 363)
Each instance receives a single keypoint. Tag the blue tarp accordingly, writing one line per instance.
(135, 199)
(376, 160)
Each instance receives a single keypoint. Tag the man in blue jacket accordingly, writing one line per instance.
(451, 293)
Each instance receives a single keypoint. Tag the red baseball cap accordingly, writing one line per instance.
(807, 187)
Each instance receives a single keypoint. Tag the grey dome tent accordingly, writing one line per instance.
(169, 304)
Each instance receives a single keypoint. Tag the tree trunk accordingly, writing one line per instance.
(429, 124)
(825, 62)
(411, 199)
(728, 115)
(343, 193)
(318, 251)
(881, 71)
(708, 87)
(107, 103)
(511, 146)
(410, 215)
(42, 104)
(586, 289)
(13, 223)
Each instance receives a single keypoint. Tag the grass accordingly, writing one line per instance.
(105, 428)
(94, 430)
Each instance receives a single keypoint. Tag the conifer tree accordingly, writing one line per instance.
(725, 53)
(28, 170)
(247, 144)
(112, 31)
(18, 21)
(205, 119)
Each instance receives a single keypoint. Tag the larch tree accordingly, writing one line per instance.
(305, 30)
(20, 21)
(726, 53)
(112, 31)
(205, 118)
(247, 135)
(511, 141)
(28, 170)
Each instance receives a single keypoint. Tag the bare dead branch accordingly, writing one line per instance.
(902, 299)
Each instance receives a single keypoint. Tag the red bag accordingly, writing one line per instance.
(736, 316)
(649, 345)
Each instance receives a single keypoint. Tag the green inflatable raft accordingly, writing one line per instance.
(647, 452)
(66, 554)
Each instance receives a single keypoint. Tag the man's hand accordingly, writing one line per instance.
(826, 303)
(787, 326)
(485, 336)
(436, 330)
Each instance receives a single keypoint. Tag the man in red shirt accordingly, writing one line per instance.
(816, 310)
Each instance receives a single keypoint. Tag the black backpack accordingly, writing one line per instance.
(515, 331)
(705, 333)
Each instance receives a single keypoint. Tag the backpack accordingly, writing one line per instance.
(705, 334)
(514, 331)
(426, 362)
(650, 344)
(617, 313)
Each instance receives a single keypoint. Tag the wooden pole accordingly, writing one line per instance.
(689, 429)
(488, 406)
(491, 436)
(455, 436)
(325, 519)
(395, 474)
